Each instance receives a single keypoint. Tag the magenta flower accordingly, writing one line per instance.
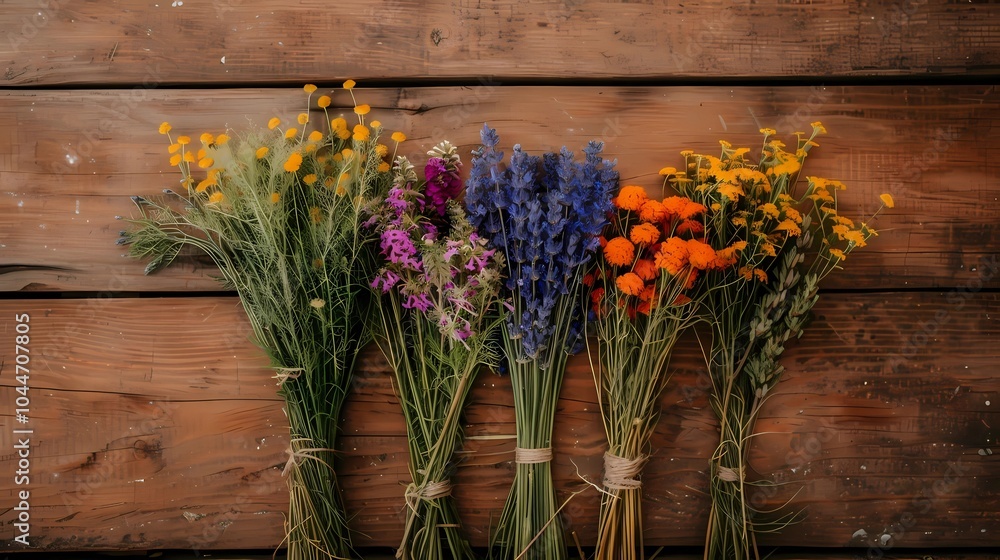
(442, 185)
(419, 301)
(398, 248)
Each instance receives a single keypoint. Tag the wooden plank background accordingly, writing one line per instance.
(262, 41)
(157, 422)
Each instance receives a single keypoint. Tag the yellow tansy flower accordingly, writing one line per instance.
(856, 237)
(205, 163)
(303, 118)
(216, 198)
(309, 88)
(324, 101)
(731, 191)
(790, 226)
(262, 151)
(769, 209)
(175, 159)
(183, 140)
(838, 253)
(204, 184)
(818, 127)
(275, 198)
(315, 136)
(221, 139)
(398, 137)
(338, 123)
(165, 127)
(383, 167)
(361, 133)
(382, 150)
(207, 138)
(668, 171)
(174, 148)
(189, 157)
(315, 214)
(363, 109)
(273, 123)
(886, 199)
(309, 179)
(293, 162)
(343, 134)
(349, 84)
(291, 132)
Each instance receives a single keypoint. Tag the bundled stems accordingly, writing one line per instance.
(782, 241)
(439, 285)
(279, 212)
(640, 308)
(432, 520)
(545, 214)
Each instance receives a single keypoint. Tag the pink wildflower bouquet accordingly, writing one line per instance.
(439, 286)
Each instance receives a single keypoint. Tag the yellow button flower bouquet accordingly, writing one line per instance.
(281, 214)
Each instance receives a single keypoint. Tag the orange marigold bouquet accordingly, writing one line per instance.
(640, 306)
(782, 235)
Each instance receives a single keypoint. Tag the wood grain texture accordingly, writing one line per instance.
(156, 423)
(70, 161)
(257, 41)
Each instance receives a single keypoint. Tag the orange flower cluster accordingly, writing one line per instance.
(656, 249)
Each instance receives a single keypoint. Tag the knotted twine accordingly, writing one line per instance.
(301, 454)
(428, 491)
(284, 374)
(729, 475)
(620, 473)
(523, 456)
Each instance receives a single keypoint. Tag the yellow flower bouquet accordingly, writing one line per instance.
(280, 212)
(785, 235)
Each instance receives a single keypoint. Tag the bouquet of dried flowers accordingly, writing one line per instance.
(782, 236)
(545, 215)
(653, 256)
(281, 213)
(439, 285)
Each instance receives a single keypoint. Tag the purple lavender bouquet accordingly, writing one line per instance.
(439, 285)
(545, 214)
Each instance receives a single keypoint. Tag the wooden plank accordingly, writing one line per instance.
(882, 427)
(257, 41)
(70, 161)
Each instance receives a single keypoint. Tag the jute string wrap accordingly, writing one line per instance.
(620, 473)
(524, 456)
(284, 374)
(297, 455)
(429, 491)
(729, 475)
